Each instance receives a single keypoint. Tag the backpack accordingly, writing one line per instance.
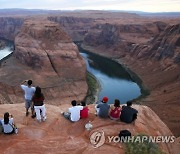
(124, 133)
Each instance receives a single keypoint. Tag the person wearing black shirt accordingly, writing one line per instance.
(128, 114)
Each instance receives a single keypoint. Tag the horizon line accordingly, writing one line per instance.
(88, 10)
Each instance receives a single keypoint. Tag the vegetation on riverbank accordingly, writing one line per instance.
(93, 88)
(142, 146)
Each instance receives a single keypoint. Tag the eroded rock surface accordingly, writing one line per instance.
(10, 26)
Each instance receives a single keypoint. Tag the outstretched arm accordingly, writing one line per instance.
(22, 85)
(25, 81)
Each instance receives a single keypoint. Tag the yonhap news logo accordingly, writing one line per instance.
(98, 138)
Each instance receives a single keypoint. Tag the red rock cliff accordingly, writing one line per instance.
(46, 54)
(10, 26)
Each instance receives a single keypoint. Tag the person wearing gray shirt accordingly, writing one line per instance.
(103, 108)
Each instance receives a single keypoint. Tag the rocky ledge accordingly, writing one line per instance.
(58, 135)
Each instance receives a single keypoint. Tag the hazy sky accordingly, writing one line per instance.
(137, 5)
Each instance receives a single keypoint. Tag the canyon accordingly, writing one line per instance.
(44, 50)
(156, 62)
(146, 45)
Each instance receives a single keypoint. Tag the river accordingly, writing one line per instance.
(115, 81)
(5, 52)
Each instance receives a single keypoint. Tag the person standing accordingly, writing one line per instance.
(39, 107)
(29, 90)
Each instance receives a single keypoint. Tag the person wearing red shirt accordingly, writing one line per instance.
(84, 111)
(115, 110)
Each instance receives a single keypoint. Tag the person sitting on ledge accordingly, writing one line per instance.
(73, 113)
(115, 110)
(84, 111)
(8, 124)
(102, 109)
(128, 114)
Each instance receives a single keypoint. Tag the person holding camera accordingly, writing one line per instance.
(29, 91)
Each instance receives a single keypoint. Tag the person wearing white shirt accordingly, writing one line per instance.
(73, 113)
(7, 124)
(28, 94)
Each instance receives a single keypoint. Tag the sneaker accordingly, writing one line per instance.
(33, 116)
(44, 119)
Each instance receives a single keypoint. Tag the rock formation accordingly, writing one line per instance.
(58, 135)
(165, 46)
(10, 26)
(46, 54)
(2, 44)
(120, 38)
(76, 27)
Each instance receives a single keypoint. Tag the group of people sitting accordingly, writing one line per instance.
(34, 99)
(126, 114)
(116, 112)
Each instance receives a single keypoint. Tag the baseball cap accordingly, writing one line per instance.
(105, 99)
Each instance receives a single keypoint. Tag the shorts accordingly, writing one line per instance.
(67, 115)
(28, 104)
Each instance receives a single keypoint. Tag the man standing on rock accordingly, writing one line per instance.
(28, 94)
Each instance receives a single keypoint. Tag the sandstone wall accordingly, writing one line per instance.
(46, 54)
(76, 27)
(119, 39)
(10, 26)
